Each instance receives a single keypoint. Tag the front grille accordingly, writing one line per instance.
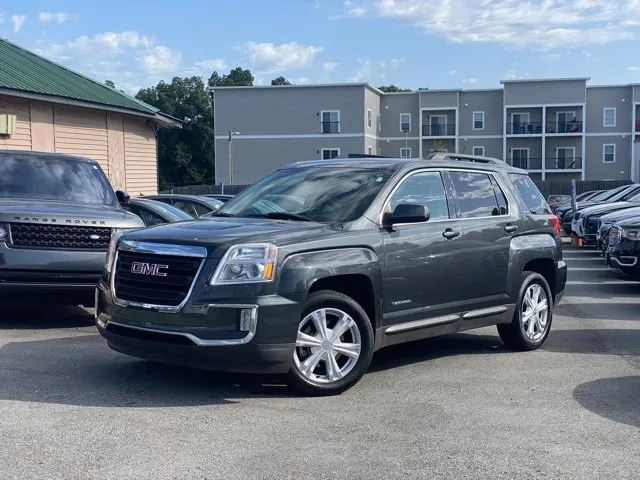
(154, 279)
(591, 226)
(59, 237)
(576, 215)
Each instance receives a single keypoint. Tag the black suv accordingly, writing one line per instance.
(377, 252)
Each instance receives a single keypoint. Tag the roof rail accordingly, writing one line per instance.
(463, 157)
(365, 155)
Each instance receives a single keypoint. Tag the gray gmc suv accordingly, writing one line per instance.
(57, 216)
(315, 267)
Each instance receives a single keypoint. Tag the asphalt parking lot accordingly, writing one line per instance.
(454, 407)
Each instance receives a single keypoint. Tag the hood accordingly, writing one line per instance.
(605, 207)
(64, 213)
(621, 214)
(221, 232)
(629, 223)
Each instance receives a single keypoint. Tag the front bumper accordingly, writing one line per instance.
(624, 257)
(49, 272)
(210, 336)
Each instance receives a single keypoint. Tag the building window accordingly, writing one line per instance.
(329, 153)
(330, 121)
(405, 152)
(609, 117)
(608, 153)
(520, 158)
(405, 122)
(379, 118)
(369, 150)
(478, 151)
(478, 120)
(369, 119)
(565, 157)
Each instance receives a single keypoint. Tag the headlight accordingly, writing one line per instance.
(631, 233)
(250, 263)
(111, 251)
(4, 233)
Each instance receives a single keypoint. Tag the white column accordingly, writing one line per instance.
(504, 133)
(457, 125)
(420, 130)
(634, 166)
(544, 142)
(584, 140)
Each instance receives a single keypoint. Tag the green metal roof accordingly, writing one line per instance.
(25, 71)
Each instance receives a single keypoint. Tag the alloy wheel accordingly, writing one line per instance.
(534, 312)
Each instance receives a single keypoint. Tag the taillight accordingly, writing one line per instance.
(556, 225)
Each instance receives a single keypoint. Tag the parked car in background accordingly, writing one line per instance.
(379, 252)
(623, 252)
(605, 223)
(194, 205)
(222, 198)
(586, 226)
(625, 200)
(58, 214)
(153, 212)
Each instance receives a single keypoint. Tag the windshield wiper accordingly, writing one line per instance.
(220, 214)
(283, 216)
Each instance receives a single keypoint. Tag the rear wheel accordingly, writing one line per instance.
(334, 345)
(532, 319)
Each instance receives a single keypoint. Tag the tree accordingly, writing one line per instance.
(393, 89)
(109, 83)
(437, 146)
(280, 81)
(238, 77)
(185, 156)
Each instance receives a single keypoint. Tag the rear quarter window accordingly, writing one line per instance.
(529, 194)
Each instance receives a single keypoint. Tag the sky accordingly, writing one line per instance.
(409, 43)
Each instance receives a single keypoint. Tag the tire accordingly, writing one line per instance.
(315, 347)
(515, 335)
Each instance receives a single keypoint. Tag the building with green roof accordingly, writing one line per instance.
(47, 107)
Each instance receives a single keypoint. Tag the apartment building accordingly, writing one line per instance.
(558, 129)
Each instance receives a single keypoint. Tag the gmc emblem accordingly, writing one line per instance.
(142, 268)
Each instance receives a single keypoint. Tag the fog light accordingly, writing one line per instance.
(246, 319)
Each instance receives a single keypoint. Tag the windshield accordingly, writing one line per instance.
(53, 178)
(615, 193)
(169, 211)
(320, 194)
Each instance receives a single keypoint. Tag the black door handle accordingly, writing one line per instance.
(510, 228)
(448, 233)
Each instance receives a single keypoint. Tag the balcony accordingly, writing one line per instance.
(330, 127)
(439, 130)
(524, 128)
(526, 163)
(567, 127)
(563, 163)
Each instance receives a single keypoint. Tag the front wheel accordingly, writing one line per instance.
(532, 319)
(334, 345)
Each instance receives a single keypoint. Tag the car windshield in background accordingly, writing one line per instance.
(49, 178)
(319, 194)
(169, 211)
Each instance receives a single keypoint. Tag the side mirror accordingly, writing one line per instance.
(407, 213)
(123, 197)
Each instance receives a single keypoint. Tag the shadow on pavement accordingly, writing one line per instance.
(600, 311)
(612, 398)
(38, 317)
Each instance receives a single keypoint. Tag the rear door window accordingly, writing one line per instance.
(529, 194)
(476, 195)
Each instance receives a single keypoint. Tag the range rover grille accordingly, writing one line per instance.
(154, 279)
(59, 237)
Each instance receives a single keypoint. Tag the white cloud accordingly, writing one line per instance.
(514, 75)
(269, 58)
(453, 72)
(58, 17)
(351, 10)
(130, 59)
(633, 68)
(329, 67)
(18, 21)
(369, 70)
(545, 24)
(470, 81)
(211, 65)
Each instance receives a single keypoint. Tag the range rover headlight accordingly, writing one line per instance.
(249, 263)
(4, 232)
(631, 233)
